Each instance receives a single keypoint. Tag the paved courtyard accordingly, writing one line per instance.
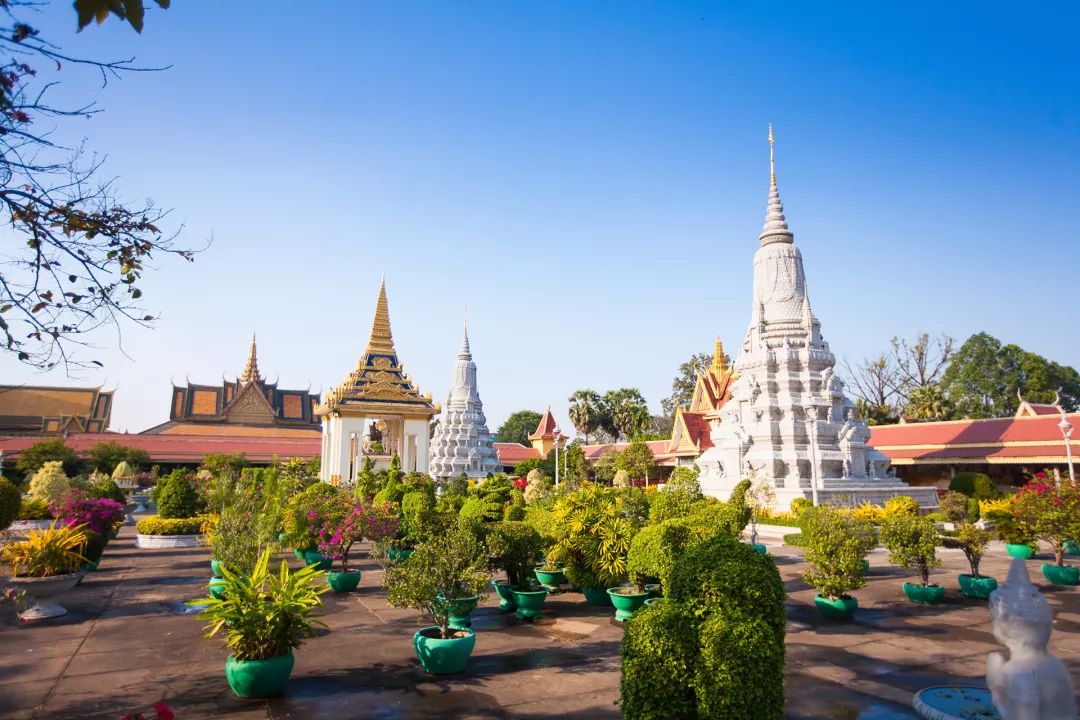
(129, 642)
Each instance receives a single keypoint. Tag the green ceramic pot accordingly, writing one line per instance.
(760, 548)
(1061, 574)
(399, 555)
(443, 657)
(215, 568)
(839, 609)
(343, 582)
(314, 557)
(977, 587)
(653, 589)
(505, 591)
(281, 536)
(654, 601)
(596, 596)
(299, 553)
(217, 588)
(924, 594)
(529, 603)
(461, 609)
(258, 678)
(865, 565)
(626, 602)
(551, 579)
(1019, 551)
(1071, 548)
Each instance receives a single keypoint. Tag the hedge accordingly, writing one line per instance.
(975, 485)
(157, 525)
(795, 540)
(660, 646)
(654, 551)
(741, 673)
(176, 497)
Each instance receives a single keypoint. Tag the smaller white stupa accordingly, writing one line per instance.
(462, 442)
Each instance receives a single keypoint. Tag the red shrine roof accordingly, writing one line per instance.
(547, 426)
(699, 429)
(513, 453)
(1031, 439)
(185, 448)
(595, 452)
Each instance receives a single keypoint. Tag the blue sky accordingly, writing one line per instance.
(589, 178)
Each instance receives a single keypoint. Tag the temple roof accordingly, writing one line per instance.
(713, 387)
(379, 382)
(547, 426)
(251, 369)
(26, 409)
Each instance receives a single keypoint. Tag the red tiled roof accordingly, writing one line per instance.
(513, 453)
(184, 448)
(547, 426)
(1035, 438)
(700, 432)
(595, 452)
(1045, 409)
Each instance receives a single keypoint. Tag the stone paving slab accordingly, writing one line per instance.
(129, 642)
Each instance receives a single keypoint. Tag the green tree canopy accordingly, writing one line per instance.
(586, 411)
(637, 460)
(105, 456)
(518, 427)
(626, 413)
(32, 458)
(682, 387)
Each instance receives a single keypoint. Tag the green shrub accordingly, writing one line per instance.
(94, 547)
(477, 509)
(513, 546)
(418, 516)
(741, 672)
(912, 544)
(107, 489)
(592, 537)
(954, 506)
(34, 509)
(901, 505)
(711, 518)
(10, 501)
(800, 505)
(49, 482)
(177, 497)
(975, 485)
(667, 504)
(834, 551)
(392, 492)
(157, 525)
(660, 645)
(298, 530)
(795, 539)
(515, 509)
(654, 550)
(738, 494)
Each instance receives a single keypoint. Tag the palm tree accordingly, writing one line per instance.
(585, 411)
(629, 411)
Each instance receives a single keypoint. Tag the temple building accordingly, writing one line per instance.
(787, 418)
(376, 411)
(541, 442)
(462, 442)
(53, 411)
(247, 406)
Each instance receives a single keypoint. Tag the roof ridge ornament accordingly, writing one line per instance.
(776, 228)
(251, 368)
(381, 341)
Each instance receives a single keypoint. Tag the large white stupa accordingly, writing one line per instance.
(788, 418)
(462, 443)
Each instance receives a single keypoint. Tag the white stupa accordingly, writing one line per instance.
(462, 443)
(788, 418)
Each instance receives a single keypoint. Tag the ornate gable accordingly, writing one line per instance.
(250, 407)
(713, 387)
(379, 381)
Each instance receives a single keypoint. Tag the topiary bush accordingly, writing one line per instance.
(711, 518)
(10, 502)
(177, 497)
(912, 544)
(954, 507)
(834, 550)
(157, 525)
(974, 485)
(654, 550)
(49, 482)
(715, 647)
(901, 505)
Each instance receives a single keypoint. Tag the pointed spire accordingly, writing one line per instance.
(382, 341)
(251, 369)
(719, 360)
(465, 352)
(776, 227)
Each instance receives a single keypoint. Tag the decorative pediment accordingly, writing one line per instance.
(250, 407)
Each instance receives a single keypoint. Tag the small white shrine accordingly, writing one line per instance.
(375, 413)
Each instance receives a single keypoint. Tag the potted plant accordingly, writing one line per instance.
(912, 544)
(592, 538)
(759, 498)
(263, 616)
(550, 574)
(1052, 510)
(511, 547)
(443, 568)
(1020, 540)
(957, 508)
(44, 565)
(299, 532)
(834, 551)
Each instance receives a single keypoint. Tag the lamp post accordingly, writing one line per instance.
(556, 456)
(810, 418)
(1066, 429)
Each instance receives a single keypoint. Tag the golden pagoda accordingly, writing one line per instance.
(692, 428)
(375, 412)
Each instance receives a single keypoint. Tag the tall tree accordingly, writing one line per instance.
(518, 427)
(921, 363)
(586, 407)
(682, 387)
(628, 412)
(637, 460)
(983, 377)
(875, 384)
(81, 251)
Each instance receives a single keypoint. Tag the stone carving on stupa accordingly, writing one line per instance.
(462, 443)
(1029, 684)
(788, 417)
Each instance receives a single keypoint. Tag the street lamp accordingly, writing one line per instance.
(556, 456)
(810, 418)
(1066, 429)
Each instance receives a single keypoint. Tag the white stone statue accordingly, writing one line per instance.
(1030, 684)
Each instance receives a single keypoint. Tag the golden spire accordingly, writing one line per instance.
(381, 342)
(251, 369)
(772, 158)
(719, 360)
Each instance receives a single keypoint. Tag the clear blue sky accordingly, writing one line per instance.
(589, 178)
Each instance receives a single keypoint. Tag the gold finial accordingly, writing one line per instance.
(382, 341)
(719, 361)
(772, 157)
(251, 369)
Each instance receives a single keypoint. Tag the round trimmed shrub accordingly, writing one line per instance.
(660, 645)
(975, 485)
(177, 497)
(49, 482)
(901, 505)
(654, 551)
(800, 505)
(741, 671)
(10, 501)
